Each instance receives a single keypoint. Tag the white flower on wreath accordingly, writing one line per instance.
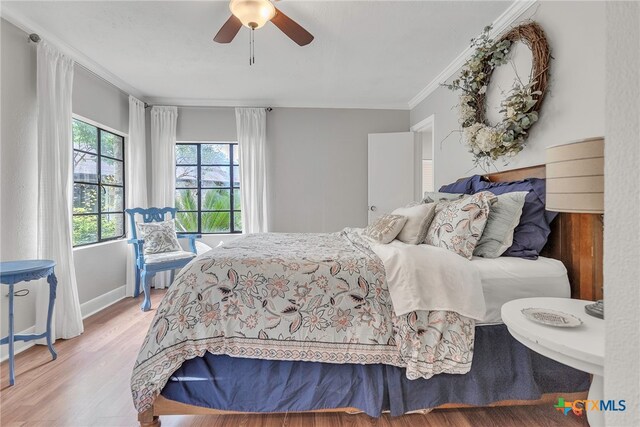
(467, 112)
(487, 139)
(470, 133)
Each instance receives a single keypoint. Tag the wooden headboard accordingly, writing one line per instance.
(576, 239)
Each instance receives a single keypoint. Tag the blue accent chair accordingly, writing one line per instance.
(147, 266)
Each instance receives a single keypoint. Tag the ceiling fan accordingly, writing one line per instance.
(255, 14)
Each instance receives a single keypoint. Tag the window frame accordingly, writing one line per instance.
(232, 145)
(99, 213)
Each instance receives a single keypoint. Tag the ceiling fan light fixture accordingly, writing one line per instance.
(253, 14)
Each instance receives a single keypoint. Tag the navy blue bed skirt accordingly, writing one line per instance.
(502, 369)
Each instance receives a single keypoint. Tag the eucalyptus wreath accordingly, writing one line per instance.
(520, 108)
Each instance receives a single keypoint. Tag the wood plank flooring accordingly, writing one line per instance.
(88, 385)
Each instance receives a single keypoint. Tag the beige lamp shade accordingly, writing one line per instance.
(575, 177)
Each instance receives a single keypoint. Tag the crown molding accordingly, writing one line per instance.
(28, 26)
(230, 103)
(500, 24)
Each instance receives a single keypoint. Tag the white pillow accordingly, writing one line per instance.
(504, 217)
(159, 237)
(419, 218)
(385, 228)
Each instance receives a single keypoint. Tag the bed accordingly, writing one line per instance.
(196, 380)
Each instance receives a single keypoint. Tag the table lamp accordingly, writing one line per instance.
(575, 184)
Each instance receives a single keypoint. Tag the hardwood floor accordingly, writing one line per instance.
(88, 385)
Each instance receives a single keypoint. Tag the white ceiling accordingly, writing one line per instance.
(370, 54)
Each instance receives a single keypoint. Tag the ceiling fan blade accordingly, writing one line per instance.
(291, 28)
(228, 30)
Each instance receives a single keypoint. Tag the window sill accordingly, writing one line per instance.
(94, 245)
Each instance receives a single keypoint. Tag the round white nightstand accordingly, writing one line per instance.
(581, 347)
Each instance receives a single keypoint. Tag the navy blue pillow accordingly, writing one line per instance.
(532, 232)
(462, 186)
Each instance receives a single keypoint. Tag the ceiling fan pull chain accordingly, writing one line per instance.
(252, 41)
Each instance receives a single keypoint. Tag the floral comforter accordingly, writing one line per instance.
(305, 297)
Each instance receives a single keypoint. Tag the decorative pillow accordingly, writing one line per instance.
(159, 237)
(463, 185)
(460, 223)
(434, 196)
(385, 228)
(504, 217)
(418, 219)
(534, 228)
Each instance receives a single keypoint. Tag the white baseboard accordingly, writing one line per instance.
(103, 301)
(86, 309)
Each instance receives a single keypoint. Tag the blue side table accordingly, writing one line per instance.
(23, 271)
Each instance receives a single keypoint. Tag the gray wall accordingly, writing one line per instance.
(317, 165)
(18, 157)
(99, 268)
(573, 108)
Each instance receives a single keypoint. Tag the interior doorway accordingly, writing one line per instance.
(426, 134)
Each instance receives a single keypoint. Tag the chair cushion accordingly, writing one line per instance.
(167, 256)
(159, 237)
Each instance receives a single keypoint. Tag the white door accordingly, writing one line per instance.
(391, 172)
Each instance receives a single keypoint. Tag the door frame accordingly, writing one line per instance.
(428, 124)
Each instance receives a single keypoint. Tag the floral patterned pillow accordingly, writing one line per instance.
(459, 224)
(159, 237)
(385, 228)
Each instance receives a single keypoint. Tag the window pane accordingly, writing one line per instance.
(236, 176)
(215, 222)
(186, 200)
(235, 154)
(216, 200)
(187, 222)
(85, 136)
(112, 226)
(215, 176)
(85, 198)
(85, 167)
(186, 154)
(112, 199)
(186, 176)
(214, 154)
(111, 145)
(112, 171)
(237, 199)
(237, 221)
(85, 229)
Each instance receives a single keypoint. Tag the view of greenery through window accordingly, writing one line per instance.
(98, 184)
(208, 188)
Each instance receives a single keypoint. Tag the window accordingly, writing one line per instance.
(98, 184)
(208, 188)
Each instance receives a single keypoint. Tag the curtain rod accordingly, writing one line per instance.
(36, 39)
(146, 105)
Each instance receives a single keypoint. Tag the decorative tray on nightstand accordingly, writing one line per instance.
(550, 317)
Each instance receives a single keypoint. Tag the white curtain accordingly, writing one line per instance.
(251, 124)
(163, 163)
(55, 174)
(136, 175)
